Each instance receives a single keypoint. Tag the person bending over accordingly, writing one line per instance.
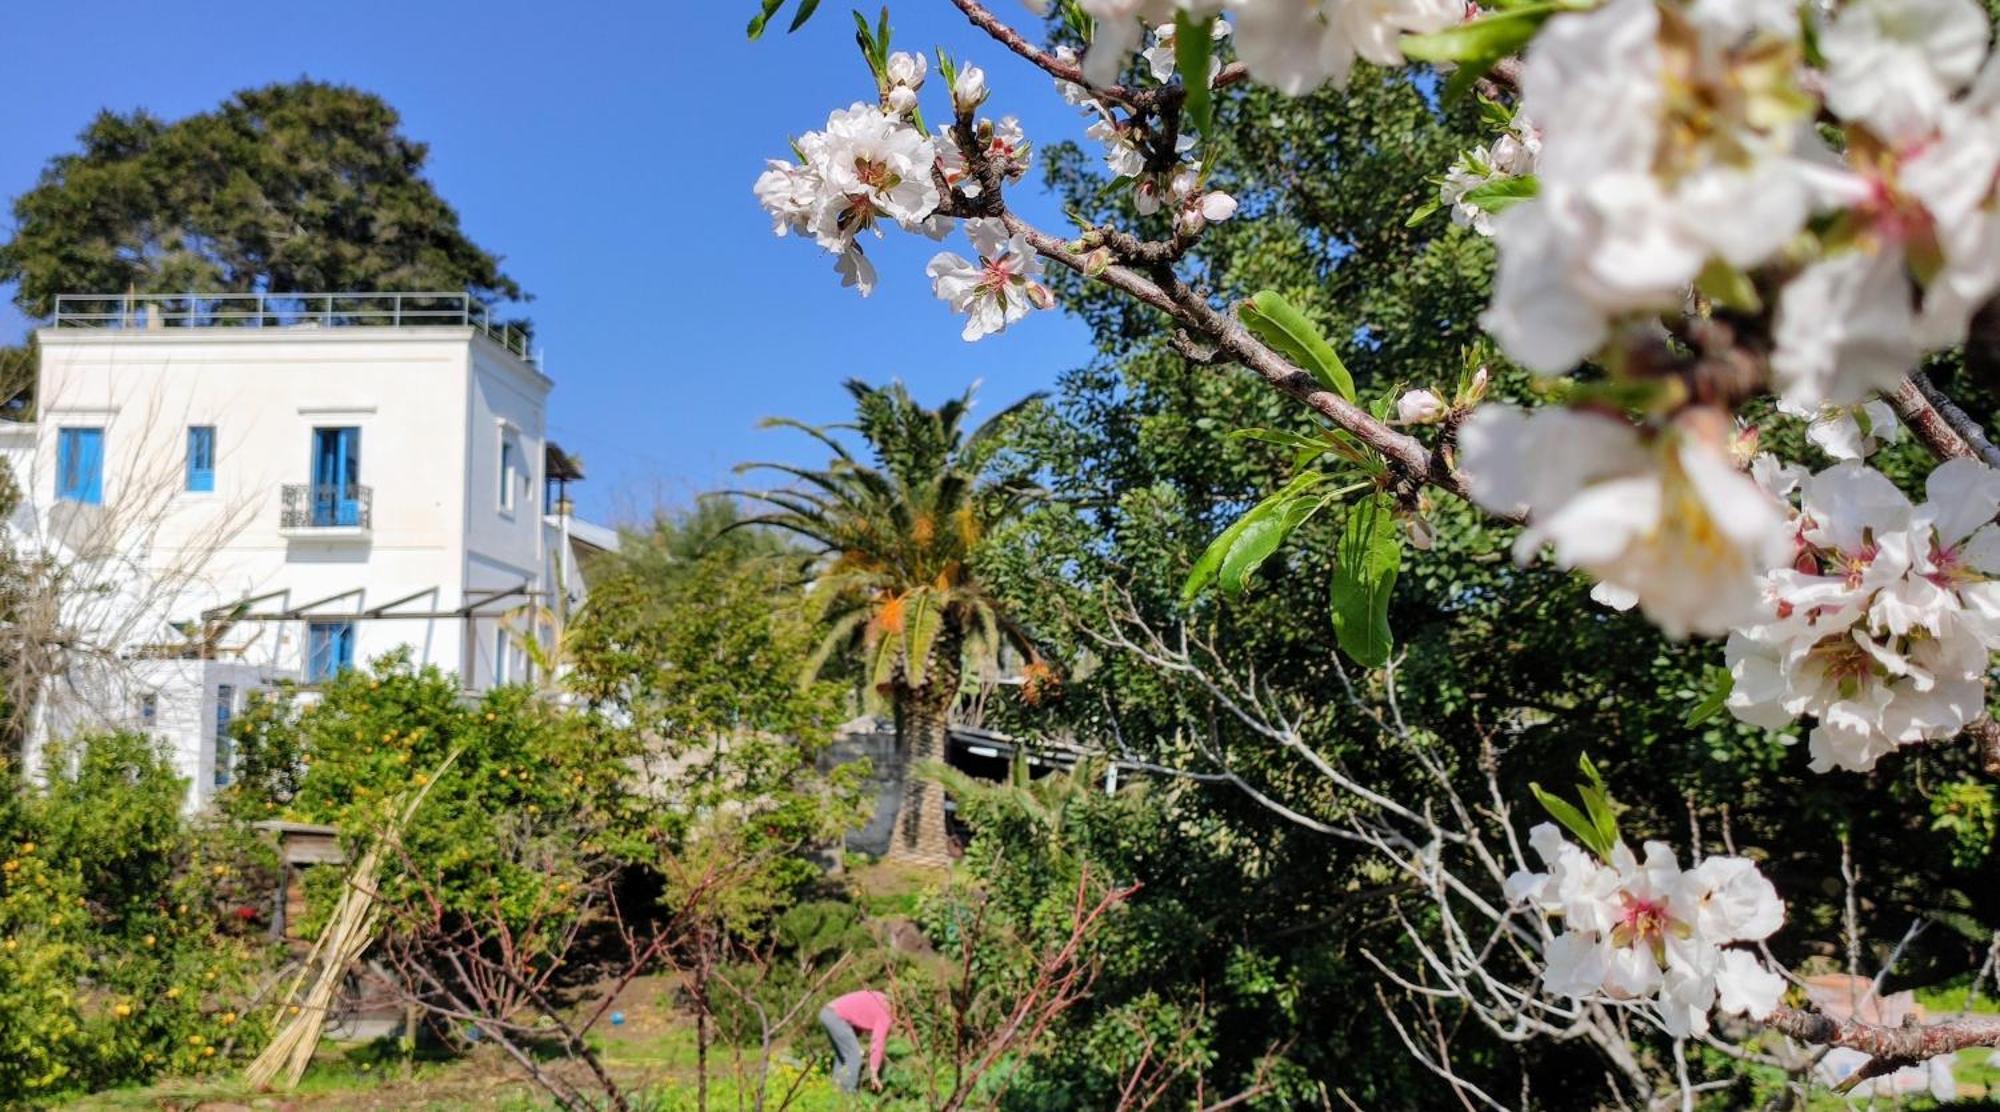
(844, 1019)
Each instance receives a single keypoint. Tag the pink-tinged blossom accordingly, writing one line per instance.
(1641, 932)
(865, 168)
(1881, 626)
(997, 290)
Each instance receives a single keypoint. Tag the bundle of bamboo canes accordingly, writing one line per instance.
(350, 930)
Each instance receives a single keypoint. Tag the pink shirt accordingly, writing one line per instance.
(870, 1012)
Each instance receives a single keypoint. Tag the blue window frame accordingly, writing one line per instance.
(329, 650)
(225, 746)
(80, 465)
(201, 458)
(336, 477)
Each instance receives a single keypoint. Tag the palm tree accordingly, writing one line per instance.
(899, 533)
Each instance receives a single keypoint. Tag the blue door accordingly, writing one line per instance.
(336, 495)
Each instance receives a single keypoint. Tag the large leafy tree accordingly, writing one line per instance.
(902, 531)
(1143, 477)
(291, 187)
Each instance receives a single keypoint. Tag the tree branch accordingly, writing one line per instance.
(1055, 67)
(1958, 419)
(1889, 1048)
(1926, 422)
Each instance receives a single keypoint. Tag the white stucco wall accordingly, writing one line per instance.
(431, 404)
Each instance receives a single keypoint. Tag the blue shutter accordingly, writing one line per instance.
(225, 756)
(329, 650)
(201, 458)
(80, 465)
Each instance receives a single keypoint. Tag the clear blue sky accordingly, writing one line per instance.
(607, 151)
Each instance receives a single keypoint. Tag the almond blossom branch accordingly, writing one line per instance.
(981, 17)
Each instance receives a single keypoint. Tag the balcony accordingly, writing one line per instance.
(326, 511)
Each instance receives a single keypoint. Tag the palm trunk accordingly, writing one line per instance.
(923, 729)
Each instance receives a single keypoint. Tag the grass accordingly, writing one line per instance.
(653, 1055)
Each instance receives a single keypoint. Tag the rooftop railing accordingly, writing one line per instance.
(288, 310)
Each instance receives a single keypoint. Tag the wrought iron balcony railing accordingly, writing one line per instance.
(348, 506)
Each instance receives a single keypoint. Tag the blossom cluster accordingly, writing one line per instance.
(872, 165)
(1678, 151)
(868, 166)
(1511, 157)
(1643, 932)
(1881, 625)
(1161, 179)
(1661, 518)
(1294, 46)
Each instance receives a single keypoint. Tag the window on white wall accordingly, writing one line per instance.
(500, 655)
(510, 470)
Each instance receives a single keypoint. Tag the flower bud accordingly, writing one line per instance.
(1476, 389)
(1097, 262)
(1217, 206)
(1420, 407)
(906, 69)
(969, 91)
(900, 100)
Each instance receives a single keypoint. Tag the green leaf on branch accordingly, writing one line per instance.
(805, 12)
(1364, 577)
(1483, 42)
(1251, 539)
(1194, 44)
(1595, 825)
(1719, 683)
(1278, 323)
(1572, 820)
(1502, 194)
(923, 618)
(763, 17)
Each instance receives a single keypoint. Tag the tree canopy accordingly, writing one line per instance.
(295, 186)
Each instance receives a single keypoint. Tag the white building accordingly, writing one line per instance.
(261, 487)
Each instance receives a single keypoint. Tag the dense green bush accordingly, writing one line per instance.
(129, 945)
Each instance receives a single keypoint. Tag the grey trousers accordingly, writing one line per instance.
(846, 1050)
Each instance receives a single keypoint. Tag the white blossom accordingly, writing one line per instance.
(1667, 518)
(1004, 145)
(1511, 156)
(1420, 407)
(1120, 27)
(1882, 624)
(1160, 56)
(1641, 932)
(1070, 91)
(968, 89)
(1658, 158)
(865, 167)
(1844, 330)
(1893, 64)
(997, 290)
(1849, 431)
